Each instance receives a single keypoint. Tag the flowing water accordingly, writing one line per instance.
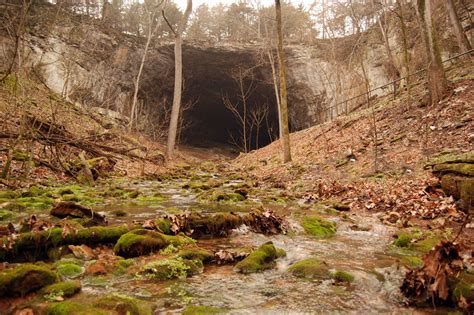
(363, 253)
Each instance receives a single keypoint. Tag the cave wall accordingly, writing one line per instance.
(97, 69)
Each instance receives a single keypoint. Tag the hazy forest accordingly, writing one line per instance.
(241, 157)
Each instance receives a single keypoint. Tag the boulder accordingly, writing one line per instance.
(456, 174)
(25, 279)
(261, 259)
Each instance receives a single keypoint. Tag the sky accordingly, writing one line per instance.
(196, 3)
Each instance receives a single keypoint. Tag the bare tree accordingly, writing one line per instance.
(463, 42)
(258, 114)
(437, 82)
(283, 97)
(178, 78)
(152, 26)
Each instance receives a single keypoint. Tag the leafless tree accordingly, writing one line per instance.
(437, 82)
(152, 24)
(178, 78)
(283, 97)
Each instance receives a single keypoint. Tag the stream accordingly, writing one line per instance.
(363, 253)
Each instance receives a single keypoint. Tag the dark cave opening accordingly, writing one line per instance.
(212, 74)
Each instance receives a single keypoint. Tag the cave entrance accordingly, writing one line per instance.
(215, 76)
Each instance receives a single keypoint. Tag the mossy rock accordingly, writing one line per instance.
(412, 261)
(164, 225)
(196, 253)
(24, 279)
(122, 265)
(219, 224)
(68, 288)
(75, 308)
(124, 305)
(30, 245)
(342, 276)
(403, 240)
(222, 196)
(5, 214)
(9, 194)
(310, 268)
(318, 227)
(464, 286)
(261, 259)
(172, 268)
(69, 270)
(202, 310)
(141, 242)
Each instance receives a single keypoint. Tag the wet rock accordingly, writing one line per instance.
(227, 256)
(69, 307)
(31, 245)
(261, 259)
(65, 209)
(456, 174)
(25, 279)
(342, 276)
(142, 242)
(202, 310)
(266, 222)
(171, 268)
(82, 252)
(318, 227)
(124, 305)
(97, 268)
(361, 227)
(66, 288)
(196, 253)
(310, 268)
(200, 225)
(69, 269)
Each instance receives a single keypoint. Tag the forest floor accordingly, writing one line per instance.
(363, 175)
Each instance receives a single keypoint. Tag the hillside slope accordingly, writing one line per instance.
(339, 159)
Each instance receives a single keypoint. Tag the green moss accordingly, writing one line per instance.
(141, 242)
(202, 310)
(74, 308)
(122, 265)
(464, 287)
(33, 191)
(412, 261)
(427, 244)
(310, 268)
(24, 279)
(28, 243)
(153, 198)
(261, 259)
(163, 225)
(5, 214)
(133, 194)
(69, 270)
(281, 252)
(40, 202)
(9, 194)
(196, 253)
(318, 227)
(68, 288)
(342, 276)
(222, 196)
(403, 239)
(165, 269)
(124, 305)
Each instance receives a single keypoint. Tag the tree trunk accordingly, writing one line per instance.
(437, 82)
(406, 56)
(275, 87)
(283, 97)
(178, 80)
(463, 42)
